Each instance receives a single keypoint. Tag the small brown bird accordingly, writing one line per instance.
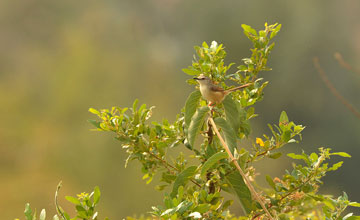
(213, 93)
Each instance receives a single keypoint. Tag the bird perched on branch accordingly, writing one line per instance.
(213, 93)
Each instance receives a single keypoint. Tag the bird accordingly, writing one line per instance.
(213, 93)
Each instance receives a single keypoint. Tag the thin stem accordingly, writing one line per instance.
(316, 166)
(344, 64)
(246, 179)
(58, 208)
(167, 165)
(333, 89)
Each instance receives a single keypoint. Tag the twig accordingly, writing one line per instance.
(167, 165)
(58, 208)
(246, 179)
(344, 64)
(333, 89)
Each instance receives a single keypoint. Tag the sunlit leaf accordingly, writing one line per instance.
(342, 154)
(191, 71)
(94, 111)
(195, 215)
(353, 218)
(336, 166)
(249, 29)
(283, 121)
(73, 200)
(42, 215)
(354, 204)
(97, 195)
(28, 212)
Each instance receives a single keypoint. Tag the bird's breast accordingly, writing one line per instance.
(210, 95)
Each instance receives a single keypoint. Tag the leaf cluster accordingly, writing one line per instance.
(85, 204)
(197, 190)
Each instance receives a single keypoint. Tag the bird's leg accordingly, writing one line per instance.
(211, 104)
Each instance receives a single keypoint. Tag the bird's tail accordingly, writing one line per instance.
(238, 87)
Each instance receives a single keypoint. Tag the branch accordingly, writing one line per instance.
(168, 166)
(344, 64)
(246, 179)
(333, 89)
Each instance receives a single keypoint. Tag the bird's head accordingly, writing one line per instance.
(202, 79)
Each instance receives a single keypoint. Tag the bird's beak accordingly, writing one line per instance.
(196, 78)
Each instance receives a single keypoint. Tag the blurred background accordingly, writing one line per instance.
(58, 58)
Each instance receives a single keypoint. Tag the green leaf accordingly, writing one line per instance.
(81, 212)
(275, 155)
(97, 195)
(191, 72)
(249, 29)
(232, 113)
(230, 136)
(212, 160)
(202, 208)
(275, 31)
(191, 105)
(336, 166)
(286, 136)
(183, 206)
(353, 218)
(205, 45)
(28, 212)
(297, 156)
(270, 181)
(80, 208)
(354, 204)
(42, 215)
(95, 123)
(94, 111)
(182, 179)
(195, 124)
(244, 156)
(135, 104)
(227, 204)
(313, 157)
(241, 190)
(73, 200)
(283, 121)
(342, 154)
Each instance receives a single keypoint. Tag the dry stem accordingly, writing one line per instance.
(333, 89)
(246, 179)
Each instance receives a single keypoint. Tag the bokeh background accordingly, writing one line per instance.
(58, 58)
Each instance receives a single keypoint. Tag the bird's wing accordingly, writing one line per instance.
(215, 88)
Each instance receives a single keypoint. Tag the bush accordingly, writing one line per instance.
(212, 136)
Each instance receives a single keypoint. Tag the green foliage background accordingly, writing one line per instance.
(60, 58)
